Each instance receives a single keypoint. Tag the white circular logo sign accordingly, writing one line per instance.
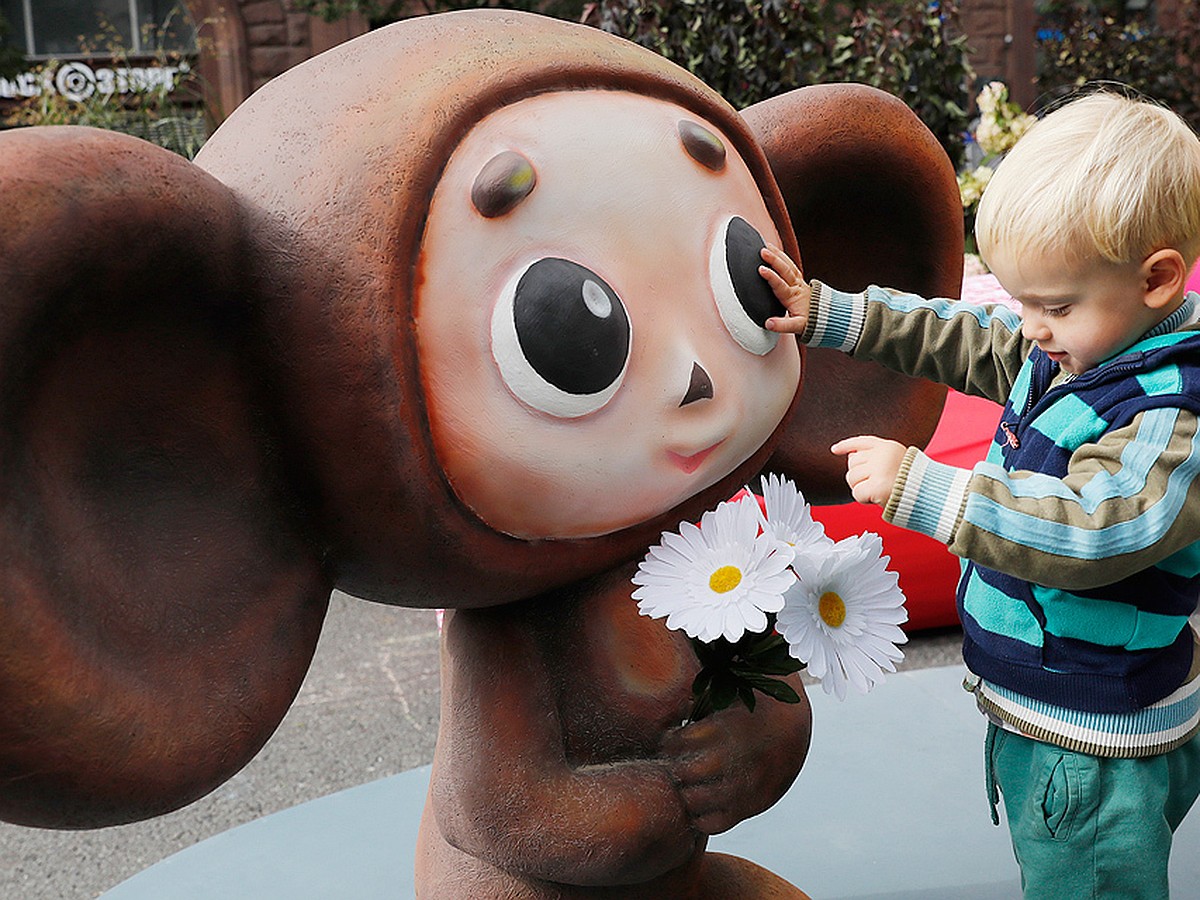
(76, 81)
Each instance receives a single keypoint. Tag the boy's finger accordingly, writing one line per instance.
(849, 445)
(783, 287)
(786, 325)
(773, 278)
(772, 253)
(780, 260)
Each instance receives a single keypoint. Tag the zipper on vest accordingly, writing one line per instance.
(1011, 429)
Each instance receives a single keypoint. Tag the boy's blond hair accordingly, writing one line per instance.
(1102, 176)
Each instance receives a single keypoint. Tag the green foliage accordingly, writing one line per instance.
(732, 671)
(1090, 47)
(746, 51)
(750, 50)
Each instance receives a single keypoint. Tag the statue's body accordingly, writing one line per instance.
(561, 762)
(466, 315)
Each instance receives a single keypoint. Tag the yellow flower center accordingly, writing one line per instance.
(832, 609)
(725, 579)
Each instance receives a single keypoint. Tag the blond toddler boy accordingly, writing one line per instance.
(1080, 532)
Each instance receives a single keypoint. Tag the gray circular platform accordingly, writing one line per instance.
(890, 806)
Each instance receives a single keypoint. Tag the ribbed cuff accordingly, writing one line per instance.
(928, 496)
(835, 318)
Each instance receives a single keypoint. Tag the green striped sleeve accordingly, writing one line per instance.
(1131, 499)
(975, 349)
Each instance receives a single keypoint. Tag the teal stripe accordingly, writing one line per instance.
(1070, 422)
(1019, 395)
(946, 309)
(1108, 623)
(1148, 721)
(999, 613)
(1166, 380)
(1161, 340)
(1185, 562)
(1155, 630)
(1062, 539)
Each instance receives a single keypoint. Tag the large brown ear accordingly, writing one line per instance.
(873, 200)
(159, 599)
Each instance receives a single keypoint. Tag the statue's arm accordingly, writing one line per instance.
(736, 763)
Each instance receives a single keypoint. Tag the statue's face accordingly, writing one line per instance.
(588, 314)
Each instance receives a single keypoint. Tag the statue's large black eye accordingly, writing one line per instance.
(744, 298)
(560, 336)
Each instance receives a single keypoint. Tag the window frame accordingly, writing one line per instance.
(136, 49)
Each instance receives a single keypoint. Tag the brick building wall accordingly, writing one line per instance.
(985, 23)
(246, 43)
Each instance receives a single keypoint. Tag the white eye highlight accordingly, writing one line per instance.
(596, 300)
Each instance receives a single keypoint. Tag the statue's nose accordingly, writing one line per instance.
(700, 386)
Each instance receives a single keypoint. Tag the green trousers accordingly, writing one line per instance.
(1090, 827)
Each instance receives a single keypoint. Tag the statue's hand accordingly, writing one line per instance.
(735, 763)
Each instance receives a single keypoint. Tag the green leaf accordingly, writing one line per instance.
(747, 697)
(724, 692)
(780, 690)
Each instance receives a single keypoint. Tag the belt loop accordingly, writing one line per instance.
(993, 793)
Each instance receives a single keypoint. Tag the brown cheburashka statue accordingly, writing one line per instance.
(460, 314)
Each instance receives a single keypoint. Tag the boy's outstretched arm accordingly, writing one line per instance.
(787, 281)
(872, 466)
(972, 348)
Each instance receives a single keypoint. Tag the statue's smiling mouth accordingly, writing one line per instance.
(689, 464)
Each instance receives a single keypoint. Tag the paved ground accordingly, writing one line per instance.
(369, 708)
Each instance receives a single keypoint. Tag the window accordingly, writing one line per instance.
(70, 28)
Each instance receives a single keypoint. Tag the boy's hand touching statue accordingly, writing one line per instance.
(787, 281)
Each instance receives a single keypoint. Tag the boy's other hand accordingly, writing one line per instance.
(872, 464)
(787, 281)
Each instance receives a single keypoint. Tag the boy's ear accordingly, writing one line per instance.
(1165, 274)
(873, 199)
(160, 591)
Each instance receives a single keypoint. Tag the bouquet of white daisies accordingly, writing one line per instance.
(763, 592)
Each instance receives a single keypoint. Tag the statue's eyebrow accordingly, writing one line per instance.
(504, 181)
(702, 145)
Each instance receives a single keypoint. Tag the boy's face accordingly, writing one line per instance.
(1079, 312)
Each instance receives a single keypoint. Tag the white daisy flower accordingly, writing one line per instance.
(842, 617)
(718, 579)
(789, 517)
